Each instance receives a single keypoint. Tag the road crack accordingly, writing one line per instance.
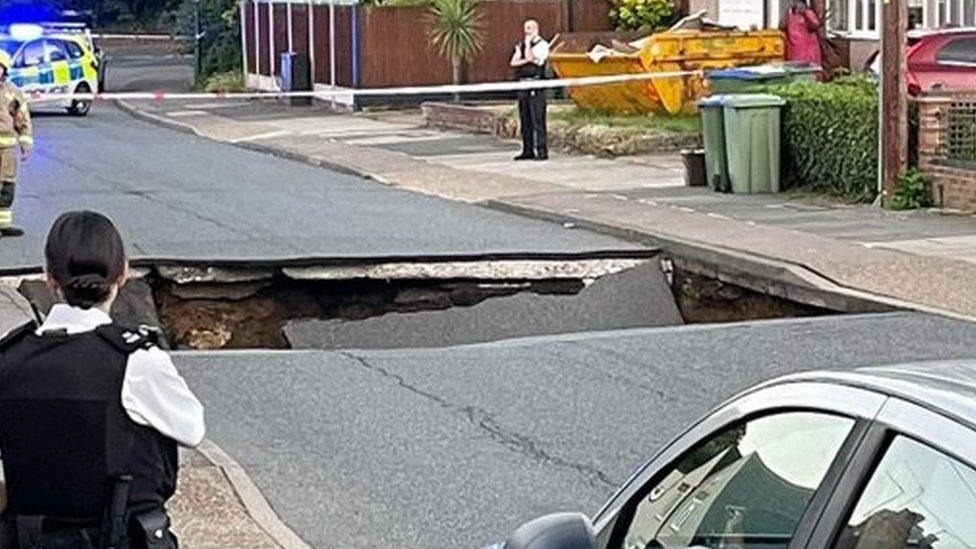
(484, 421)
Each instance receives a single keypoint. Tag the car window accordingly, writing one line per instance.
(747, 487)
(32, 54)
(918, 498)
(960, 50)
(74, 50)
(10, 46)
(55, 51)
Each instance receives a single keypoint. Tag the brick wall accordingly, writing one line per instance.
(458, 116)
(953, 186)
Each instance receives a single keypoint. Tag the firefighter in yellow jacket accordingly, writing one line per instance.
(15, 133)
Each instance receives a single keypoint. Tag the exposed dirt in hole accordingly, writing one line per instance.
(703, 300)
(252, 314)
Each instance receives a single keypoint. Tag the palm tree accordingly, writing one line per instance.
(457, 34)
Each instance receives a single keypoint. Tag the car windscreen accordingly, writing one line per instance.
(10, 46)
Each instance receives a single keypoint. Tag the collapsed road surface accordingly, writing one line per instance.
(452, 448)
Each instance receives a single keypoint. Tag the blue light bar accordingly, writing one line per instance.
(23, 32)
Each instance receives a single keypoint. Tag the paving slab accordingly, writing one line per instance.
(636, 297)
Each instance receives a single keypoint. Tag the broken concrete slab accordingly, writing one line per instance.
(488, 269)
(135, 305)
(635, 297)
(183, 274)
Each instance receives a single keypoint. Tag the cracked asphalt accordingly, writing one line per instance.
(454, 447)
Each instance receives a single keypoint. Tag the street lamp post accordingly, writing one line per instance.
(198, 62)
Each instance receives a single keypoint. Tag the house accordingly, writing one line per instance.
(855, 22)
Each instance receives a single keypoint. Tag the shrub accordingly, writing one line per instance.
(224, 82)
(830, 136)
(914, 190)
(641, 15)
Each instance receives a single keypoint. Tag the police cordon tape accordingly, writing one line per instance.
(327, 94)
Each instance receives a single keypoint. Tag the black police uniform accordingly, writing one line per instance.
(532, 107)
(66, 440)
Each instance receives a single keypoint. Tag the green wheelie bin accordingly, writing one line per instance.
(752, 142)
(713, 136)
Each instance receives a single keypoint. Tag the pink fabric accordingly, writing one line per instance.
(802, 36)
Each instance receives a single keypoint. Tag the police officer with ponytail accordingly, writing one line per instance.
(91, 412)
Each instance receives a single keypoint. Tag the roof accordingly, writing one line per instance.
(945, 387)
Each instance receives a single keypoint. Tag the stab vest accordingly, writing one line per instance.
(64, 433)
(530, 70)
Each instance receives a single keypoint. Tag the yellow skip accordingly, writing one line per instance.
(673, 50)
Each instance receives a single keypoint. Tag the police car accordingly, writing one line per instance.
(54, 59)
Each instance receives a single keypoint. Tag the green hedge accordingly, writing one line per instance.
(830, 136)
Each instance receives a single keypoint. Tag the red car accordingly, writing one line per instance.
(937, 59)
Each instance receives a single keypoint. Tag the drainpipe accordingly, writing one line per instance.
(354, 32)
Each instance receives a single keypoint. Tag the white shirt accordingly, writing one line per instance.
(540, 52)
(153, 392)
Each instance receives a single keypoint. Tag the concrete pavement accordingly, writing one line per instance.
(454, 447)
(923, 259)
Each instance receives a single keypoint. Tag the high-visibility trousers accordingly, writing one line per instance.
(8, 181)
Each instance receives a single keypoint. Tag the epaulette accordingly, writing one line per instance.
(129, 340)
(17, 334)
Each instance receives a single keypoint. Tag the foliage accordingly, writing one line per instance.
(641, 15)
(914, 190)
(220, 45)
(398, 3)
(135, 15)
(456, 31)
(224, 82)
(830, 136)
(651, 123)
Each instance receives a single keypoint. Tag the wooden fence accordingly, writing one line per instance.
(378, 46)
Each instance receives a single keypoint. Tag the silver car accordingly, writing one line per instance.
(882, 457)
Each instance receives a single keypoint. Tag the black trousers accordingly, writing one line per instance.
(532, 116)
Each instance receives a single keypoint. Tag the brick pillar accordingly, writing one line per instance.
(930, 117)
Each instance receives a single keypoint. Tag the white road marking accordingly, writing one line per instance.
(183, 114)
(207, 106)
(267, 135)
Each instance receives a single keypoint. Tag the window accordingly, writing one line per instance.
(956, 13)
(32, 54)
(746, 487)
(916, 498)
(854, 16)
(74, 50)
(55, 51)
(960, 50)
(862, 18)
(10, 46)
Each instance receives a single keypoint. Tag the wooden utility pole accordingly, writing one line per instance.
(894, 96)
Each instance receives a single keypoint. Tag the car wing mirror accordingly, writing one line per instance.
(557, 531)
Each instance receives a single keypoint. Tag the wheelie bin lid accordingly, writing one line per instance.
(750, 100)
(713, 100)
(768, 71)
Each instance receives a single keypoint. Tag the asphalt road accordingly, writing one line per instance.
(176, 195)
(147, 67)
(451, 448)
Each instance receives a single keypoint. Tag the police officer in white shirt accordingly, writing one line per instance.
(88, 406)
(529, 62)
